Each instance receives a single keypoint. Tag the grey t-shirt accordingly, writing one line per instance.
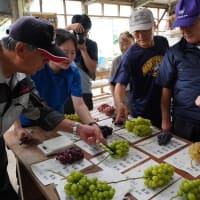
(86, 83)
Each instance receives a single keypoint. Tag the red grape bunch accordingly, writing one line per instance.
(106, 109)
(70, 155)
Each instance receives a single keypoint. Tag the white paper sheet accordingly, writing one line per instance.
(151, 146)
(69, 136)
(170, 192)
(182, 160)
(131, 159)
(54, 145)
(106, 175)
(139, 190)
(43, 170)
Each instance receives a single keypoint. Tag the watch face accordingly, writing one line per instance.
(74, 128)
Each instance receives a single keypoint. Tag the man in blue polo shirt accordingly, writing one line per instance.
(179, 75)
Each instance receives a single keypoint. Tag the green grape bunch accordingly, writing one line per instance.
(80, 187)
(189, 189)
(139, 126)
(73, 117)
(194, 151)
(117, 149)
(158, 175)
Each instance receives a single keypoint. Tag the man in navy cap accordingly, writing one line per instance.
(179, 75)
(28, 47)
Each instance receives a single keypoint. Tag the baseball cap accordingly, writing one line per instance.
(141, 19)
(39, 33)
(187, 12)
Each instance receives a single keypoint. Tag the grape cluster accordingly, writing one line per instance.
(164, 138)
(80, 187)
(158, 175)
(70, 155)
(73, 117)
(117, 149)
(194, 151)
(139, 126)
(106, 130)
(190, 189)
(119, 123)
(106, 109)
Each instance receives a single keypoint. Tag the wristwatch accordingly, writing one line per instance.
(75, 127)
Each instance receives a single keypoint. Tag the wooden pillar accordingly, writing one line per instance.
(17, 9)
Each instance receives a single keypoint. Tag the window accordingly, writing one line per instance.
(61, 21)
(34, 6)
(56, 6)
(95, 9)
(73, 7)
(110, 10)
(108, 19)
(125, 11)
(105, 31)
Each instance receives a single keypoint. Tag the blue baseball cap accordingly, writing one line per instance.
(39, 33)
(187, 12)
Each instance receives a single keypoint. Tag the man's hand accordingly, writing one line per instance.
(90, 134)
(197, 101)
(166, 125)
(23, 134)
(121, 113)
(76, 27)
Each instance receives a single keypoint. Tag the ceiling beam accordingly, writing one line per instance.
(140, 3)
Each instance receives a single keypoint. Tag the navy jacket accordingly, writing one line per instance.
(180, 72)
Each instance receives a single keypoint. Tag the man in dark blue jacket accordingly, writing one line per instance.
(179, 75)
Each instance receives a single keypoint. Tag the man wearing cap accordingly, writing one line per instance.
(139, 67)
(28, 47)
(179, 75)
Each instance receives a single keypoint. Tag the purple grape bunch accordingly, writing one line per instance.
(70, 155)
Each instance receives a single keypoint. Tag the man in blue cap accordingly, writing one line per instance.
(179, 75)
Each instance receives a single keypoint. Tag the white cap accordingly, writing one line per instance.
(141, 19)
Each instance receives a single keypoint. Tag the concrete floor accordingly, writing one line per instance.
(98, 100)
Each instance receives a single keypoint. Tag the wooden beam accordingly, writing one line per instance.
(140, 3)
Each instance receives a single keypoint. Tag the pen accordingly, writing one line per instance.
(25, 139)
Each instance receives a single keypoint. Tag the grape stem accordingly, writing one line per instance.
(102, 160)
(146, 143)
(173, 197)
(191, 163)
(128, 179)
(58, 173)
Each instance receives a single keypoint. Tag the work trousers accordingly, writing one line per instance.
(187, 129)
(6, 190)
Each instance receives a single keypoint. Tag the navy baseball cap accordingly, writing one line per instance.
(39, 33)
(187, 12)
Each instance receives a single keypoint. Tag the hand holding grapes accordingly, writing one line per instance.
(90, 134)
